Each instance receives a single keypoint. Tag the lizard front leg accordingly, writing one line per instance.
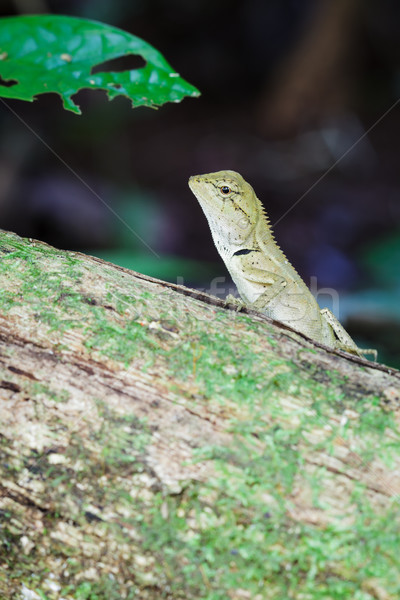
(263, 284)
(272, 288)
(257, 286)
(343, 339)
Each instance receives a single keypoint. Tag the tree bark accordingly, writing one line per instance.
(156, 443)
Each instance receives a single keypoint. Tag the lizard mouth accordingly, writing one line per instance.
(193, 180)
(197, 186)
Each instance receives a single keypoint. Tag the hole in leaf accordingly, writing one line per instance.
(8, 82)
(121, 63)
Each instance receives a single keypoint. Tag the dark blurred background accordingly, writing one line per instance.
(288, 87)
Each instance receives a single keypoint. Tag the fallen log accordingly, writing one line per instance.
(157, 444)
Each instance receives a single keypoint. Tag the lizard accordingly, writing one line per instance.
(265, 279)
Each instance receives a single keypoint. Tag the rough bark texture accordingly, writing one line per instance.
(155, 444)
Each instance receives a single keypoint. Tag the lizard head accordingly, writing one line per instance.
(230, 205)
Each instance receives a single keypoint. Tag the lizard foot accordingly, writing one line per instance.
(237, 303)
(358, 351)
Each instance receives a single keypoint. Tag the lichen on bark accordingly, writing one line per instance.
(156, 445)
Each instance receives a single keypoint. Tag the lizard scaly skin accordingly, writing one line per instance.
(263, 275)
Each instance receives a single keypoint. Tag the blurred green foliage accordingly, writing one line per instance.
(170, 268)
(49, 53)
(382, 258)
(141, 233)
(382, 301)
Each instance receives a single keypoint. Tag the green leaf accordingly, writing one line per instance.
(52, 53)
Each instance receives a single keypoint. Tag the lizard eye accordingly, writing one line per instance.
(225, 190)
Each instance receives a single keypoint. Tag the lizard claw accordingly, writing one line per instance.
(237, 303)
